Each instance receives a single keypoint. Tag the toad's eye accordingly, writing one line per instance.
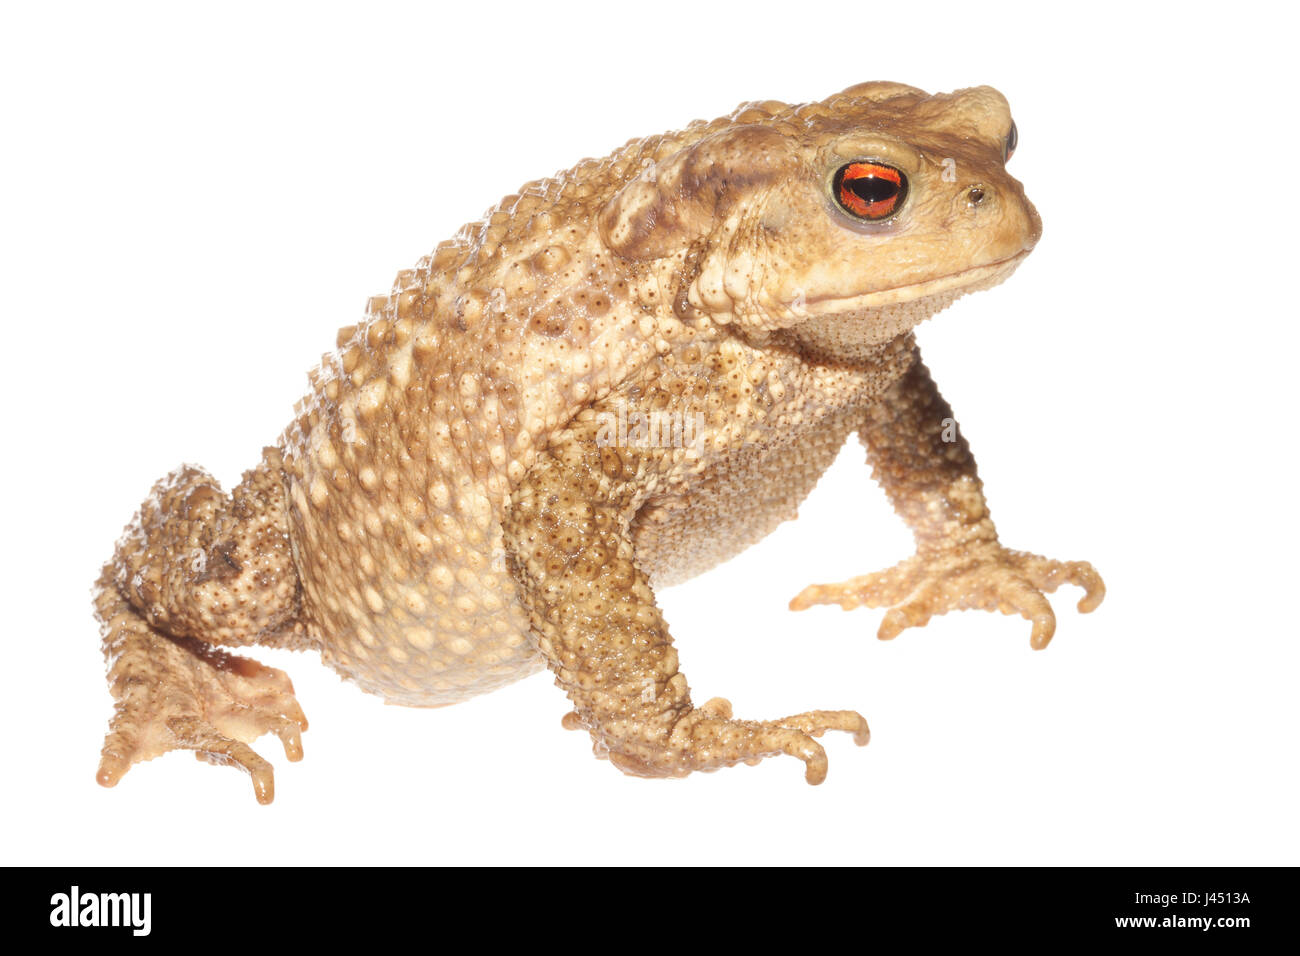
(1009, 144)
(869, 190)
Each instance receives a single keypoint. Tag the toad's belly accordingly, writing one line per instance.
(414, 606)
(735, 503)
(436, 659)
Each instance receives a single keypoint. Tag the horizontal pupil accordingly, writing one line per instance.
(873, 189)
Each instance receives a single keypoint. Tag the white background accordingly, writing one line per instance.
(194, 201)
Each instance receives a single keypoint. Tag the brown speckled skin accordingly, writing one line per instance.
(451, 511)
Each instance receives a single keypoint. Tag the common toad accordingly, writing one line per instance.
(622, 376)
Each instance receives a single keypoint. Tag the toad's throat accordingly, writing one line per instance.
(854, 329)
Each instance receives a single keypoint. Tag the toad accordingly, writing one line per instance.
(622, 376)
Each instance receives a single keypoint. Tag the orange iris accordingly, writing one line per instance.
(869, 190)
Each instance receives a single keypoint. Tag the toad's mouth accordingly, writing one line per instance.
(967, 280)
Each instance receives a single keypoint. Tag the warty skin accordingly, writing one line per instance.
(445, 514)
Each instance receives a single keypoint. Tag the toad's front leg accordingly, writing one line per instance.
(927, 470)
(594, 619)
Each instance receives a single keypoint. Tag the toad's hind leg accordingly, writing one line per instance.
(198, 568)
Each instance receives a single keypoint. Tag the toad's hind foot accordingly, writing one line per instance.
(990, 578)
(707, 738)
(182, 694)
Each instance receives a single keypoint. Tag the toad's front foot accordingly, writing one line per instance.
(182, 694)
(988, 577)
(707, 738)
